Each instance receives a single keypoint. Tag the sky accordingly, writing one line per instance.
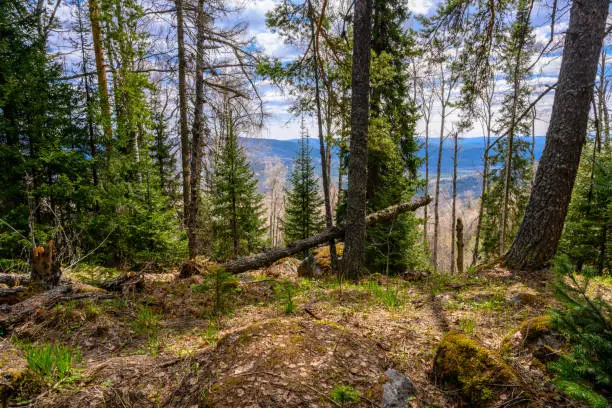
(280, 124)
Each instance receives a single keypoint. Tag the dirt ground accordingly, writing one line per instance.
(271, 339)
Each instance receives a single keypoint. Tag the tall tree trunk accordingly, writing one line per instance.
(324, 156)
(354, 250)
(454, 201)
(183, 128)
(96, 32)
(426, 177)
(437, 194)
(484, 191)
(540, 231)
(197, 136)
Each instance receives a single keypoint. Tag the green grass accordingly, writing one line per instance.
(467, 325)
(147, 322)
(52, 362)
(389, 296)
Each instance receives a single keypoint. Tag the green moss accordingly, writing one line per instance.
(535, 327)
(461, 361)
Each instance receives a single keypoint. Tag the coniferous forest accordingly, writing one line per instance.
(161, 247)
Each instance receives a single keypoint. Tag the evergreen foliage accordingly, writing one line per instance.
(589, 218)
(237, 207)
(392, 161)
(303, 216)
(586, 321)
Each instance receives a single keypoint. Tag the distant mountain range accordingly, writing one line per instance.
(469, 163)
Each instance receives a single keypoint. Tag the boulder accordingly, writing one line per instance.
(398, 391)
(318, 262)
(479, 374)
(13, 368)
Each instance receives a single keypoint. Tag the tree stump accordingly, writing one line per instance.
(46, 270)
(459, 245)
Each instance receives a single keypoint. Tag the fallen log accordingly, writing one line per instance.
(272, 255)
(22, 310)
(118, 284)
(10, 295)
(14, 279)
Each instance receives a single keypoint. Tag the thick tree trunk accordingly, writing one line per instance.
(354, 250)
(322, 151)
(197, 136)
(540, 231)
(183, 129)
(272, 255)
(96, 32)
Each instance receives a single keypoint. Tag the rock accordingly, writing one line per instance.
(399, 391)
(479, 374)
(309, 268)
(13, 368)
(538, 336)
(525, 299)
(286, 268)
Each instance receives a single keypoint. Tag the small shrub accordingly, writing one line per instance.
(51, 362)
(586, 322)
(343, 394)
(211, 335)
(287, 291)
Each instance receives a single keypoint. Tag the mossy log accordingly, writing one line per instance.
(14, 279)
(272, 255)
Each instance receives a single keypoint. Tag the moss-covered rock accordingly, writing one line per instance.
(479, 373)
(13, 368)
(538, 336)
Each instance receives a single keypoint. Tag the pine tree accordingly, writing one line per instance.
(237, 208)
(303, 216)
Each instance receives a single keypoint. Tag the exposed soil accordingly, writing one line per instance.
(255, 350)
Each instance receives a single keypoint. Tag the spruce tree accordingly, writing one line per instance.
(303, 216)
(237, 208)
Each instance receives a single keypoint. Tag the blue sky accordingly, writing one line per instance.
(279, 123)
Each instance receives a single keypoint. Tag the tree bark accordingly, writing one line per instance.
(354, 250)
(437, 194)
(184, 131)
(46, 271)
(274, 254)
(460, 245)
(540, 231)
(197, 136)
(454, 201)
(322, 151)
(96, 32)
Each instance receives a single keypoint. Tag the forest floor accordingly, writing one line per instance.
(277, 340)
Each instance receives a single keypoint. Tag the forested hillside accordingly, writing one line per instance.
(286, 203)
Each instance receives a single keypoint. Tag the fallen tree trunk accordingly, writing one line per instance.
(10, 295)
(14, 279)
(272, 255)
(22, 310)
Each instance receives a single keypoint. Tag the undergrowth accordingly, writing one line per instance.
(52, 363)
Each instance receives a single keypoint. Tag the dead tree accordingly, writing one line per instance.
(459, 245)
(46, 270)
(272, 255)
